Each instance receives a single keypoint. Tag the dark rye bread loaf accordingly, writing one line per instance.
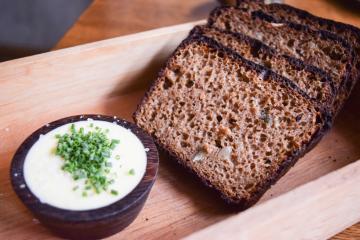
(236, 125)
(319, 48)
(313, 81)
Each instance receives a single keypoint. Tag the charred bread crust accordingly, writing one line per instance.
(324, 120)
(348, 80)
(263, 48)
(350, 32)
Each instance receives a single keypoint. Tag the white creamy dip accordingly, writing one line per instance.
(56, 187)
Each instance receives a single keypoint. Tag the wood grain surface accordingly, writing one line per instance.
(329, 201)
(110, 77)
(43, 88)
(107, 18)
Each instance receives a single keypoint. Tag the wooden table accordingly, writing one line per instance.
(107, 18)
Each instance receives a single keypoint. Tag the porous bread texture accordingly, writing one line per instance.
(302, 43)
(318, 48)
(284, 12)
(288, 13)
(313, 81)
(230, 122)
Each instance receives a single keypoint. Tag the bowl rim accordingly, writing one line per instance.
(32, 202)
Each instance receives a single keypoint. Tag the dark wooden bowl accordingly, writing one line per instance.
(87, 224)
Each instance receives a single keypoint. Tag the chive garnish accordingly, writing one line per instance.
(132, 172)
(114, 192)
(86, 156)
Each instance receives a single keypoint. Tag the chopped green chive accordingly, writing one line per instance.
(132, 172)
(114, 192)
(91, 125)
(84, 194)
(113, 143)
(75, 188)
(86, 156)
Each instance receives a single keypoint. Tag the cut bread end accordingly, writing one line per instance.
(236, 125)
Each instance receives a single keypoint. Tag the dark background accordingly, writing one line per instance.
(34, 26)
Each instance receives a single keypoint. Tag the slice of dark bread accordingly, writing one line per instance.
(236, 125)
(319, 48)
(313, 81)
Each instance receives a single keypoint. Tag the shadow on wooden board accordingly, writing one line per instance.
(352, 6)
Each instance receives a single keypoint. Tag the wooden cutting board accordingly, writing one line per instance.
(110, 77)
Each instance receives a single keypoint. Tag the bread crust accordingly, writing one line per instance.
(325, 121)
(350, 32)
